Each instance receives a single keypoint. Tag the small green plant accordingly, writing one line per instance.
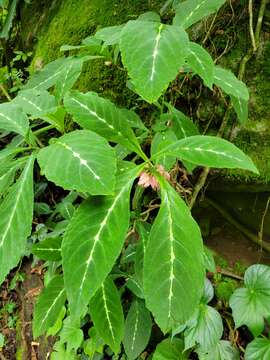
(106, 165)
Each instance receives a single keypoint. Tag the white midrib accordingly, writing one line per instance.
(155, 52)
(135, 328)
(198, 59)
(83, 162)
(172, 258)
(49, 78)
(65, 79)
(51, 307)
(93, 113)
(31, 103)
(11, 120)
(194, 11)
(17, 199)
(107, 312)
(97, 238)
(212, 151)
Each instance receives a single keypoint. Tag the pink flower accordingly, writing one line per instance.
(146, 179)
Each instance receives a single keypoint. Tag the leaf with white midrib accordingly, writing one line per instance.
(107, 314)
(173, 260)
(95, 113)
(15, 220)
(138, 328)
(12, 118)
(90, 163)
(153, 54)
(93, 246)
(48, 306)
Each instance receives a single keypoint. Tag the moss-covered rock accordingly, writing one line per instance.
(49, 25)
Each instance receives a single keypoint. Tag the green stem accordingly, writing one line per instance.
(4, 91)
(44, 129)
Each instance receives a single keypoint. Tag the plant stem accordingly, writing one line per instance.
(249, 234)
(4, 91)
(44, 129)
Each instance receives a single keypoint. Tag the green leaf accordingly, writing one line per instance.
(107, 314)
(143, 230)
(159, 142)
(4, 34)
(110, 35)
(241, 108)
(251, 304)
(71, 334)
(94, 113)
(201, 63)
(204, 328)
(210, 151)
(209, 261)
(48, 306)
(48, 249)
(80, 160)
(134, 285)
(170, 349)
(229, 83)
(149, 16)
(153, 53)
(6, 179)
(173, 260)
(138, 328)
(100, 242)
(35, 102)
(12, 118)
(223, 350)
(258, 349)
(190, 11)
(16, 214)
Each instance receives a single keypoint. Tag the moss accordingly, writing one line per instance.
(70, 21)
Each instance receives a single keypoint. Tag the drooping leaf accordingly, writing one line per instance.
(190, 11)
(109, 35)
(241, 108)
(201, 63)
(173, 260)
(80, 160)
(223, 350)
(134, 285)
(100, 242)
(12, 118)
(170, 349)
(209, 260)
(205, 328)
(251, 304)
(138, 328)
(210, 151)
(94, 113)
(153, 53)
(208, 292)
(48, 306)
(258, 349)
(35, 102)
(159, 142)
(16, 214)
(229, 83)
(107, 314)
(48, 249)
(149, 16)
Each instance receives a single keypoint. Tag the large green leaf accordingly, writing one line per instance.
(201, 63)
(223, 350)
(80, 160)
(102, 116)
(204, 328)
(173, 260)
(153, 53)
(91, 247)
(258, 349)
(12, 118)
(143, 230)
(170, 349)
(107, 314)
(229, 83)
(16, 214)
(109, 35)
(190, 11)
(48, 306)
(251, 304)
(35, 102)
(138, 328)
(210, 151)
